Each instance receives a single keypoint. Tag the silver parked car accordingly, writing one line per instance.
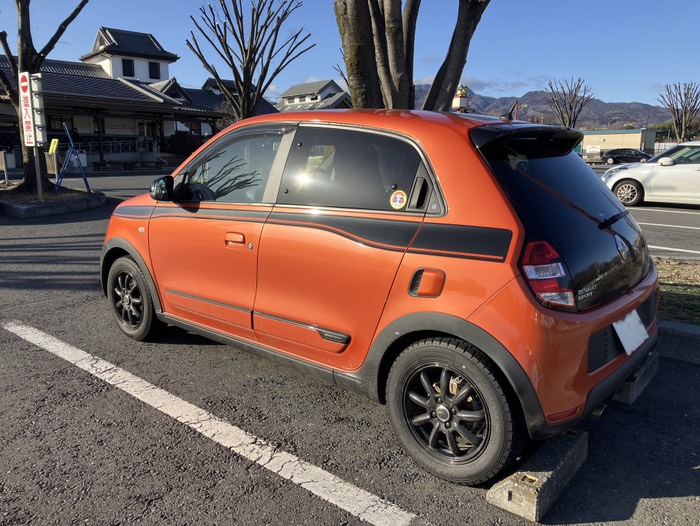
(671, 177)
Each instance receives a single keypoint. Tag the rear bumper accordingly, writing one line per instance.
(624, 385)
(574, 361)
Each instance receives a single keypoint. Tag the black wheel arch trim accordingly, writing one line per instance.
(371, 377)
(121, 245)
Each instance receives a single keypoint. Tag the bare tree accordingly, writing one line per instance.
(248, 42)
(379, 63)
(30, 60)
(568, 98)
(683, 101)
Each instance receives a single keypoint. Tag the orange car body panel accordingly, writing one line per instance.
(222, 248)
(327, 278)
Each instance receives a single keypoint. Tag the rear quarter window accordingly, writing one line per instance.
(330, 167)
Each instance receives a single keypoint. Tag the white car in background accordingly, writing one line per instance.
(670, 177)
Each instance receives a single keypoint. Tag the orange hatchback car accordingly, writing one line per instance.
(472, 274)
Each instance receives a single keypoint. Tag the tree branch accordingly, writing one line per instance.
(247, 42)
(41, 55)
(567, 99)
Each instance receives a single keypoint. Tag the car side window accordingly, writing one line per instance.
(234, 172)
(343, 168)
(693, 155)
(685, 155)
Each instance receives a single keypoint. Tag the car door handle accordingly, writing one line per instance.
(234, 239)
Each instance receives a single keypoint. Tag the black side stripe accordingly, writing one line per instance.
(134, 212)
(222, 214)
(384, 234)
(470, 242)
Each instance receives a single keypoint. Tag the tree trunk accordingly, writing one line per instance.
(25, 62)
(410, 18)
(353, 18)
(398, 80)
(29, 60)
(447, 79)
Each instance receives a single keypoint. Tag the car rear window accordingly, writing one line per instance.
(559, 198)
(542, 175)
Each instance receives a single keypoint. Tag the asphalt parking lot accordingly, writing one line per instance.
(76, 447)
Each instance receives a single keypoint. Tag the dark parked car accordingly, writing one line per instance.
(625, 155)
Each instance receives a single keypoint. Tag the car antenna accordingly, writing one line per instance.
(512, 114)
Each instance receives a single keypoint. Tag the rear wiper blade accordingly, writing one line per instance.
(610, 221)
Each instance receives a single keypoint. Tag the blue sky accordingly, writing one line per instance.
(626, 50)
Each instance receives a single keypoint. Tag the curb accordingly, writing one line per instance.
(531, 490)
(679, 329)
(679, 341)
(49, 208)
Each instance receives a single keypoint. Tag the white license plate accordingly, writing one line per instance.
(631, 331)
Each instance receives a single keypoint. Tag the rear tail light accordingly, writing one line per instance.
(547, 276)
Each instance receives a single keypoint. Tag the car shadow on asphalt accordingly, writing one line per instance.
(640, 454)
(171, 335)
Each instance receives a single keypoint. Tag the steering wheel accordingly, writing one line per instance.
(200, 192)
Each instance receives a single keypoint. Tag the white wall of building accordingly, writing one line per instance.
(141, 69)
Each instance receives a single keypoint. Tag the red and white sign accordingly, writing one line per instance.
(25, 104)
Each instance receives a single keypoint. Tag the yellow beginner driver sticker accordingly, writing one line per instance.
(398, 200)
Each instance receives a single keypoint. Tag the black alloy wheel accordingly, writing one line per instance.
(131, 302)
(451, 413)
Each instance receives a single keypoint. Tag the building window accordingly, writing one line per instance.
(56, 123)
(128, 67)
(154, 70)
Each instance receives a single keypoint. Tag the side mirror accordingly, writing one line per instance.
(162, 188)
(665, 161)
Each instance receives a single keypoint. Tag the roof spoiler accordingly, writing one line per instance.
(545, 140)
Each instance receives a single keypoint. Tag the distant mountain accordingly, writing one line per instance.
(596, 115)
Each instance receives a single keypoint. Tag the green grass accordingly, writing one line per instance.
(680, 291)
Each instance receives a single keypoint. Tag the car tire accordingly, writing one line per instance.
(467, 436)
(629, 193)
(610, 160)
(130, 298)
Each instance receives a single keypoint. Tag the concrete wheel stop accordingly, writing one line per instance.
(531, 490)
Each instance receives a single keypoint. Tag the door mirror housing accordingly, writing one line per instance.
(665, 161)
(162, 188)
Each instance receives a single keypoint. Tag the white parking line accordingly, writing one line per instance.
(327, 486)
(675, 250)
(666, 211)
(670, 226)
